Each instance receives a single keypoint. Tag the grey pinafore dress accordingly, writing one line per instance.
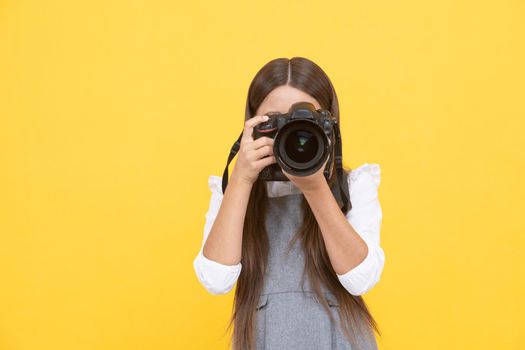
(286, 317)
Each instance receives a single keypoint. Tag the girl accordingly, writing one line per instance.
(301, 264)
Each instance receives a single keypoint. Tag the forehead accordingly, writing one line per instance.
(281, 98)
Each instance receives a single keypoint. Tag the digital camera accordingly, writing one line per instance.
(303, 140)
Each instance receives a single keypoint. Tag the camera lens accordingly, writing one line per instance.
(301, 146)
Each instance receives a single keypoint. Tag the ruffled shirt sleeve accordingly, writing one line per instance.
(217, 278)
(365, 217)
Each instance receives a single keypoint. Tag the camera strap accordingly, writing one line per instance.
(235, 148)
(343, 183)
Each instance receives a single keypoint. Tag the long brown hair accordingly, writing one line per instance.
(357, 321)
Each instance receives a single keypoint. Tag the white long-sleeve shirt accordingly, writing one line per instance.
(365, 217)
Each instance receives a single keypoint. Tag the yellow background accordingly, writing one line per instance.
(114, 113)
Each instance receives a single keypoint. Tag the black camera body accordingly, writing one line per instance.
(303, 139)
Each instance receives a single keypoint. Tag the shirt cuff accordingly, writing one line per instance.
(364, 276)
(216, 277)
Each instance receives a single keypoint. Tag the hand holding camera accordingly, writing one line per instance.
(310, 183)
(254, 155)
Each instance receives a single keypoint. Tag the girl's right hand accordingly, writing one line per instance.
(253, 155)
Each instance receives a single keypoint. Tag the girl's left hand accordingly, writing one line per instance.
(310, 182)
